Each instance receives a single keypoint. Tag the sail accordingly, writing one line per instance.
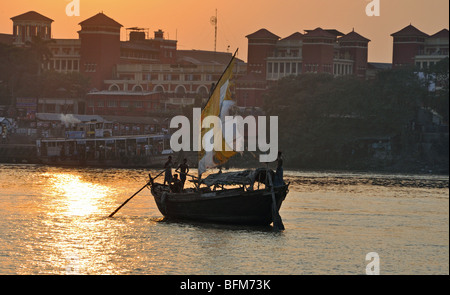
(219, 104)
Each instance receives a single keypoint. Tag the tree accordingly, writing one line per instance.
(16, 65)
(439, 99)
(324, 120)
(40, 51)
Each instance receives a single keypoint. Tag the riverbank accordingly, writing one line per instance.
(400, 165)
(26, 154)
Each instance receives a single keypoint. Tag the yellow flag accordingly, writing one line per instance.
(218, 106)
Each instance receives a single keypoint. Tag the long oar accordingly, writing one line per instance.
(276, 218)
(112, 214)
(148, 183)
(153, 178)
(187, 174)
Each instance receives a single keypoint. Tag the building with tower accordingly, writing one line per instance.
(318, 51)
(412, 47)
(353, 52)
(100, 48)
(408, 42)
(31, 24)
(138, 76)
(271, 58)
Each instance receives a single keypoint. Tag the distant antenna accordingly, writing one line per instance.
(214, 23)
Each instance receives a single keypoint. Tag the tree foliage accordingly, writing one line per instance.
(21, 75)
(323, 120)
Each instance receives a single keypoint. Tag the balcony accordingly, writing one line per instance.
(184, 101)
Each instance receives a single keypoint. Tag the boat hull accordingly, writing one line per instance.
(234, 206)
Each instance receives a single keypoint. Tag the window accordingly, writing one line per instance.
(269, 68)
(112, 103)
(288, 68)
(282, 68)
(90, 67)
(159, 89)
(124, 104)
(50, 108)
(192, 77)
(138, 88)
(114, 88)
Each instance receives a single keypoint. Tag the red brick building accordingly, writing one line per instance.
(261, 45)
(100, 48)
(353, 46)
(412, 47)
(31, 24)
(121, 103)
(134, 77)
(317, 51)
(408, 42)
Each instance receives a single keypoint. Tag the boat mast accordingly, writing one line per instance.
(211, 95)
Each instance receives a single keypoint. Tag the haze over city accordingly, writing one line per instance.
(189, 21)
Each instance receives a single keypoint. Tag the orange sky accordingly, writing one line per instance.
(189, 20)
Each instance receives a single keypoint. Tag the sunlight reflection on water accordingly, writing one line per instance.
(54, 221)
(73, 195)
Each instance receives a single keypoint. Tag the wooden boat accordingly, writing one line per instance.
(224, 197)
(240, 204)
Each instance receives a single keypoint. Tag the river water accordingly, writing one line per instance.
(54, 221)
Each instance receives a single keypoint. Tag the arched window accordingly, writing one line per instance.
(137, 88)
(114, 87)
(159, 89)
(180, 92)
(202, 92)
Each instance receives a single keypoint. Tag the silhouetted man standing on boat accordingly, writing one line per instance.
(183, 170)
(168, 168)
(279, 172)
